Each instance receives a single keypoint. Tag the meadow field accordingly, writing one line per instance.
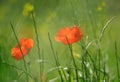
(59, 41)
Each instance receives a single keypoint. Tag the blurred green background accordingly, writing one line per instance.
(50, 16)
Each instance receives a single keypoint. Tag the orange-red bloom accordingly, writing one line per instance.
(26, 45)
(69, 35)
(16, 52)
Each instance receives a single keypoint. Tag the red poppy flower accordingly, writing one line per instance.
(26, 45)
(69, 35)
(16, 52)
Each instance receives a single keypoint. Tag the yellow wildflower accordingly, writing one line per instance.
(27, 9)
(99, 8)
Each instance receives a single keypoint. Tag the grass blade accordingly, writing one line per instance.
(71, 53)
(20, 49)
(55, 57)
(105, 27)
(117, 61)
(38, 46)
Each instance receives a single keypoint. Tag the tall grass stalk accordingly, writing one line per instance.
(99, 58)
(84, 68)
(104, 67)
(74, 63)
(38, 47)
(20, 50)
(56, 58)
(76, 70)
(105, 27)
(117, 61)
(99, 40)
(93, 23)
(88, 54)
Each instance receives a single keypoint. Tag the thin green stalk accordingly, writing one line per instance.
(105, 27)
(20, 75)
(93, 23)
(64, 73)
(61, 68)
(89, 55)
(42, 63)
(94, 66)
(18, 69)
(38, 46)
(99, 40)
(55, 57)
(71, 53)
(84, 69)
(99, 58)
(20, 49)
(117, 61)
(84, 65)
(104, 75)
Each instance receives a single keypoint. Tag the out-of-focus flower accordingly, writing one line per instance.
(28, 43)
(69, 35)
(27, 9)
(16, 52)
(22, 50)
(101, 6)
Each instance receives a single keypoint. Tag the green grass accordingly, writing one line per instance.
(98, 50)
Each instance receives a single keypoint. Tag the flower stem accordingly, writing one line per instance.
(117, 61)
(99, 58)
(20, 49)
(56, 58)
(71, 53)
(76, 71)
(38, 47)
